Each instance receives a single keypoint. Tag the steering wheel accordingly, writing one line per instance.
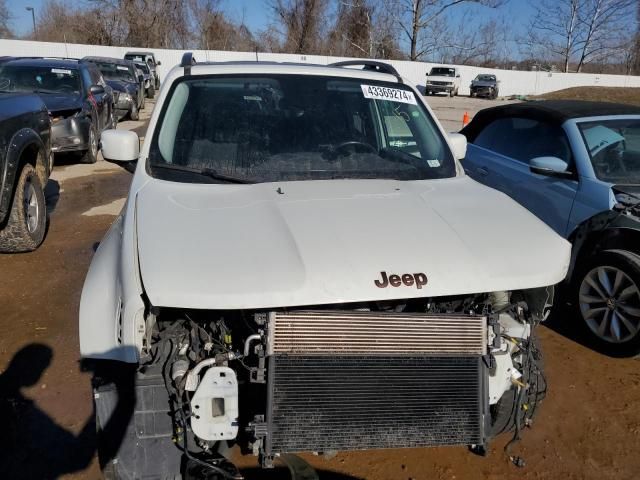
(356, 143)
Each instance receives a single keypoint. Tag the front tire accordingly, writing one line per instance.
(91, 155)
(607, 300)
(27, 223)
(151, 92)
(133, 113)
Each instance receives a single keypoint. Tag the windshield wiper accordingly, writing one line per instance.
(205, 172)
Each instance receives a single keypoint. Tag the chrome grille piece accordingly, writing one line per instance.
(375, 333)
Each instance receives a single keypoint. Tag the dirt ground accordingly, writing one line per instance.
(588, 427)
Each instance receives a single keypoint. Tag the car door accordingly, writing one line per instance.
(499, 157)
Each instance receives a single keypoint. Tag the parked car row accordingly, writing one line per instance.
(51, 106)
(443, 79)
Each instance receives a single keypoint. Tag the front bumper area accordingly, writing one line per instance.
(439, 88)
(483, 91)
(70, 134)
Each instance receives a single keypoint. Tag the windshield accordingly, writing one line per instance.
(614, 149)
(443, 72)
(39, 79)
(293, 127)
(143, 67)
(486, 78)
(113, 71)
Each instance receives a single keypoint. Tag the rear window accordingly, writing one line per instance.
(293, 127)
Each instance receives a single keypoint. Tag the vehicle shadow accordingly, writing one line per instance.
(565, 321)
(65, 159)
(51, 195)
(280, 473)
(33, 445)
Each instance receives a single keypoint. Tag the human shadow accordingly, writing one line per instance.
(33, 445)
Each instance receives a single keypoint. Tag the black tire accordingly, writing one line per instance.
(471, 95)
(113, 121)
(151, 92)
(91, 155)
(452, 93)
(27, 223)
(598, 316)
(142, 103)
(133, 113)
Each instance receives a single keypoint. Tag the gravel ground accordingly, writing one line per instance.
(588, 427)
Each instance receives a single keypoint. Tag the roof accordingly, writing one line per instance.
(116, 61)
(269, 67)
(551, 111)
(68, 63)
(140, 53)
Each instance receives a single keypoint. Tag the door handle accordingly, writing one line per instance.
(482, 171)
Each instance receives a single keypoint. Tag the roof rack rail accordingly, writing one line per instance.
(187, 62)
(370, 65)
(57, 58)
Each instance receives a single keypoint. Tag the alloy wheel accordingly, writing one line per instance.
(31, 208)
(610, 304)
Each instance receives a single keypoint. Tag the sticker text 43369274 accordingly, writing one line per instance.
(385, 93)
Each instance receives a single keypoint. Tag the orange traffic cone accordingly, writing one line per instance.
(465, 119)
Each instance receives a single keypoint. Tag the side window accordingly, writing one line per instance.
(96, 78)
(524, 138)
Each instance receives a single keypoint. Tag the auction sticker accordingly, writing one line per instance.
(61, 71)
(385, 93)
(122, 68)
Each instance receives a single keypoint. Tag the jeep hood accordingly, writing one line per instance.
(318, 242)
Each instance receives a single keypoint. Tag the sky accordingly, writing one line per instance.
(257, 15)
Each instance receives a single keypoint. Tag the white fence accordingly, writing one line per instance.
(512, 82)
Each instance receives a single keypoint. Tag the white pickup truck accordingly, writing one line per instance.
(443, 79)
(302, 265)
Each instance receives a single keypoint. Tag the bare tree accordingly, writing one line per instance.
(5, 20)
(579, 31)
(363, 28)
(601, 24)
(213, 30)
(554, 31)
(420, 20)
(303, 24)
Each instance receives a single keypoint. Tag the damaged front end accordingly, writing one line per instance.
(393, 374)
(70, 130)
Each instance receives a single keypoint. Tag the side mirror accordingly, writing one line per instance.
(550, 167)
(158, 63)
(96, 89)
(120, 146)
(458, 144)
(458, 76)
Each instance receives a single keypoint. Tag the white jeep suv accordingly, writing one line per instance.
(302, 265)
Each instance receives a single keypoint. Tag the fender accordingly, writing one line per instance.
(22, 139)
(605, 231)
(111, 307)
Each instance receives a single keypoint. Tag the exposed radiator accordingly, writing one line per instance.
(360, 380)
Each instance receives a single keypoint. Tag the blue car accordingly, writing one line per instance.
(575, 165)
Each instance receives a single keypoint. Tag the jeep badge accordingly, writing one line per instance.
(408, 279)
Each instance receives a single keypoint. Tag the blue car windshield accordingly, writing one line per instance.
(614, 149)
